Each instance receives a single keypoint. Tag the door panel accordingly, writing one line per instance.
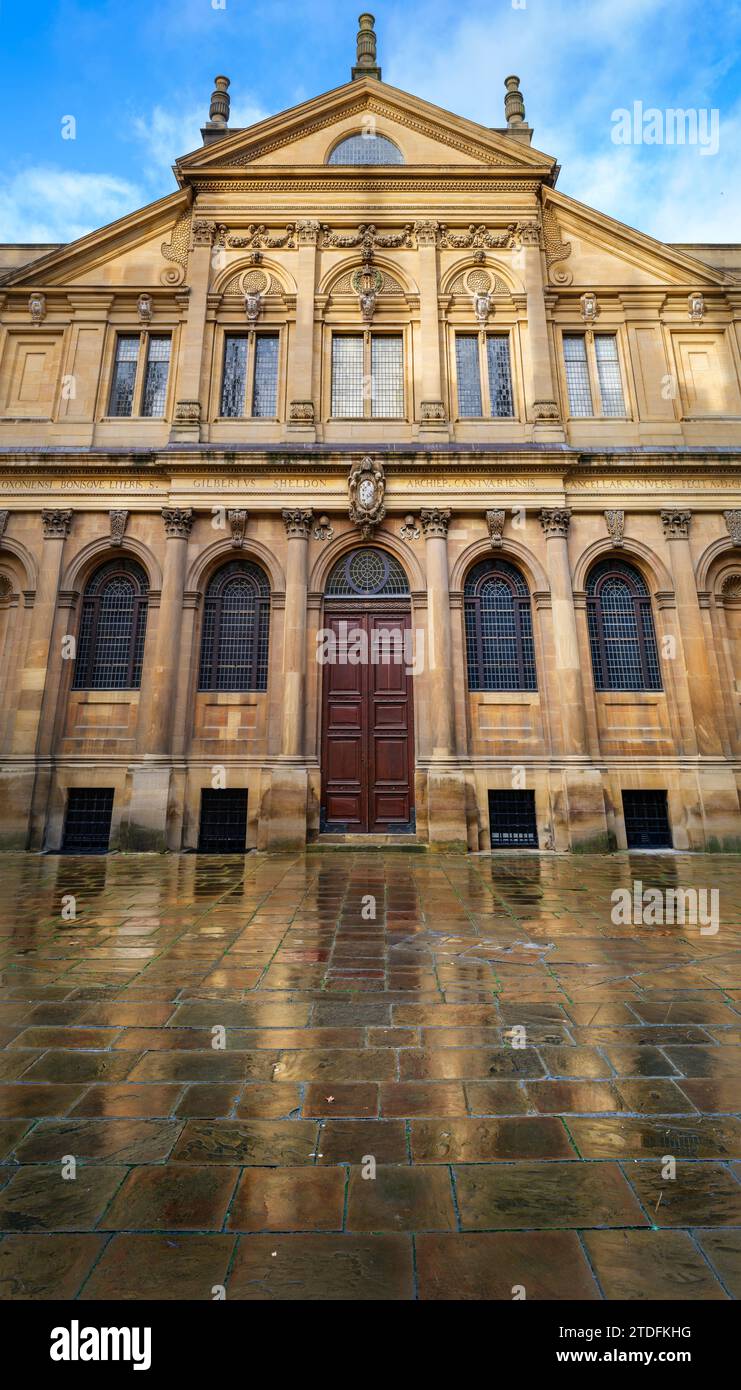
(367, 732)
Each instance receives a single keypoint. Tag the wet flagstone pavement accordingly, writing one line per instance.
(262, 1085)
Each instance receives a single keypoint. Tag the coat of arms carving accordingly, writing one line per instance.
(367, 491)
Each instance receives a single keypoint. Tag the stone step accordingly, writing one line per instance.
(330, 840)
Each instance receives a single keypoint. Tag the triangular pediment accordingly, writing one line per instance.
(120, 253)
(603, 251)
(426, 134)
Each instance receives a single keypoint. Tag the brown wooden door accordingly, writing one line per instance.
(367, 729)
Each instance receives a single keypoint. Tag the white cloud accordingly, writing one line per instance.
(48, 204)
(166, 135)
(578, 61)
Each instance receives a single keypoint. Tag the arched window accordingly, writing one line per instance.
(499, 628)
(113, 625)
(367, 573)
(236, 616)
(621, 629)
(366, 148)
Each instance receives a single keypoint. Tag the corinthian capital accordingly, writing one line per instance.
(555, 521)
(56, 524)
(434, 521)
(426, 232)
(178, 521)
(307, 231)
(676, 524)
(297, 522)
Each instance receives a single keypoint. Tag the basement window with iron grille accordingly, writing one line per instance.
(87, 823)
(512, 822)
(223, 825)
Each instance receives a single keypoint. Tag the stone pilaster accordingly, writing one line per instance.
(543, 400)
(301, 406)
(582, 814)
(287, 798)
(702, 682)
(148, 826)
(188, 405)
(56, 526)
(25, 789)
(298, 529)
(433, 415)
(446, 792)
(178, 522)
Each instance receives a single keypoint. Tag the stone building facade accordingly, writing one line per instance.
(367, 366)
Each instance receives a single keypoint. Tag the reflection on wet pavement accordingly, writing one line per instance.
(345, 1075)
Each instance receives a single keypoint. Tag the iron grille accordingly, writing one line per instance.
(87, 824)
(500, 375)
(223, 828)
(124, 375)
(155, 381)
(577, 374)
(469, 377)
(113, 625)
(265, 388)
(621, 629)
(647, 820)
(512, 820)
(366, 148)
(236, 620)
(367, 574)
(608, 373)
(500, 651)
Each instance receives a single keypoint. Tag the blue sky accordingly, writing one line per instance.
(137, 77)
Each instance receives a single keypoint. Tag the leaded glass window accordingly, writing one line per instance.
(155, 380)
(113, 625)
(358, 359)
(265, 389)
(500, 651)
(347, 375)
(387, 378)
(124, 375)
(250, 387)
(469, 375)
(234, 639)
(367, 573)
(473, 402)
(500, 375)
(366, 148)
(608, 373)
(621, 629)
(577, 374)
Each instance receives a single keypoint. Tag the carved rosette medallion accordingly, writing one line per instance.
(366, 492)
